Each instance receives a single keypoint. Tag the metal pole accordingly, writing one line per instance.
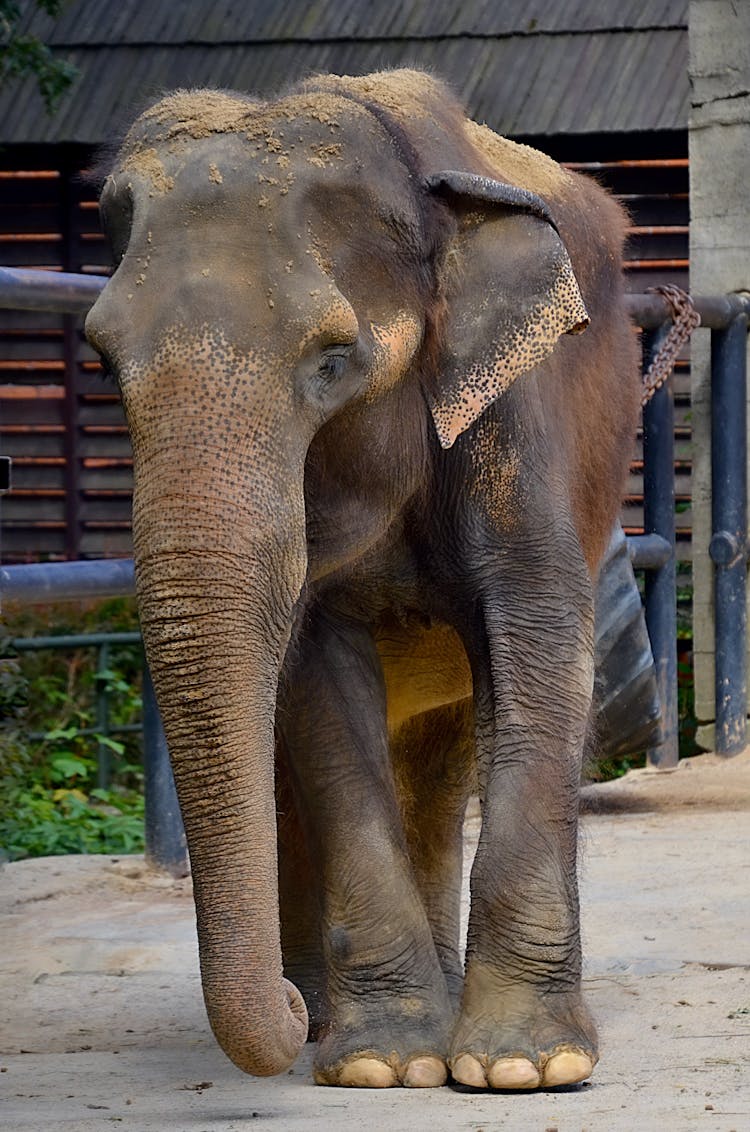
(648, 552)
(103, 753)
(71, 437)
(166, 847)
(661, 583)
(67, 581)
(728, 548)
(716, 311)
(25, 289)
(72, 475)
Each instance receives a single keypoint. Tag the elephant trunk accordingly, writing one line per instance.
(216, 610)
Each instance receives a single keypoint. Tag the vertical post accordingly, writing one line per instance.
(70, 325)
(166, 847)
(71, 440)
(661, 584)
(728, 548)
(5, 482)
(103, 754)
(719, 144)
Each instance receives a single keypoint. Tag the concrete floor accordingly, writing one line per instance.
(102, 1022)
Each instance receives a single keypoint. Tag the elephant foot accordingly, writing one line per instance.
(560, 1067)
(521, 1037)
(404, 1046)
(363, 1071)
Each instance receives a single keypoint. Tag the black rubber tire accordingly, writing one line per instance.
(627, 709)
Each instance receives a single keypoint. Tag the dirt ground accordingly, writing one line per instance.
(102, 1021)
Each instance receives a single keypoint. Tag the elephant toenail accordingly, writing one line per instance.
(567, 1068)
(425, 1073)
(466, 1070)
(367, 1073)
(513, 1073)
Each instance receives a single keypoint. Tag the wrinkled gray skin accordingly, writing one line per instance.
(375, 468)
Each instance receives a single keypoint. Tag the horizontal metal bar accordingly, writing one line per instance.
(112, 729)
(66, 292)
(648, 552)
(716, 311)
(67, 581)
(24, 289)
(75, 641)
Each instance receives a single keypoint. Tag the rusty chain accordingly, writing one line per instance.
(685, 318)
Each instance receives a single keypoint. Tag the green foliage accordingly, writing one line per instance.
(686, 702)
(47, 823)
(50, 801)
(605, 769)
(24, 55)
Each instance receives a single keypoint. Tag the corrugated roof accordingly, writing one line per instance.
(181, 21)
(532, 67)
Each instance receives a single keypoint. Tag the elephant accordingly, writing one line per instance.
(381, 390)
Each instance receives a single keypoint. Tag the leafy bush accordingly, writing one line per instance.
(51, 800)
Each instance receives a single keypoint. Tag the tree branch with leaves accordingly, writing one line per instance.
(22, 54)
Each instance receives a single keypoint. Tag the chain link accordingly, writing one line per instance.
(685, 318)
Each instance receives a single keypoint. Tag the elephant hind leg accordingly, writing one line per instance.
(299, 901)
(434, 767)
(390, 1014)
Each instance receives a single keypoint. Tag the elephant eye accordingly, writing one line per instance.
(116, 211)
(106, 373)
(333, 362)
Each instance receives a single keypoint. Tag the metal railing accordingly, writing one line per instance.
(166, 846)
(726, 316)
(103, 728)
(654, 551)
(27, 289)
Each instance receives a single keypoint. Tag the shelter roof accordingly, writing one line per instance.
(527, 67)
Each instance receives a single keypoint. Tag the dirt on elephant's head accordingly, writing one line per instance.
(194, 113)
(420, 108)
(517, 164)
(176, 119)
(407, 94)
(147, 163)
(185, 116)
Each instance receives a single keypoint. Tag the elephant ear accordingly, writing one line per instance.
(511, 294)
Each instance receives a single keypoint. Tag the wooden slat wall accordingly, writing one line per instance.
(72, 485)
(71, 454)
(656, 194)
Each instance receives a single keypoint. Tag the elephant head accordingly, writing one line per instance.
(309, 295)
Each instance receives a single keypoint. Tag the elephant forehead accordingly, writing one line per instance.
(214, 148)
(313, 129)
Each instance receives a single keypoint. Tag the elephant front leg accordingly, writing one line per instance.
(523, 1022)
(389, 1011)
